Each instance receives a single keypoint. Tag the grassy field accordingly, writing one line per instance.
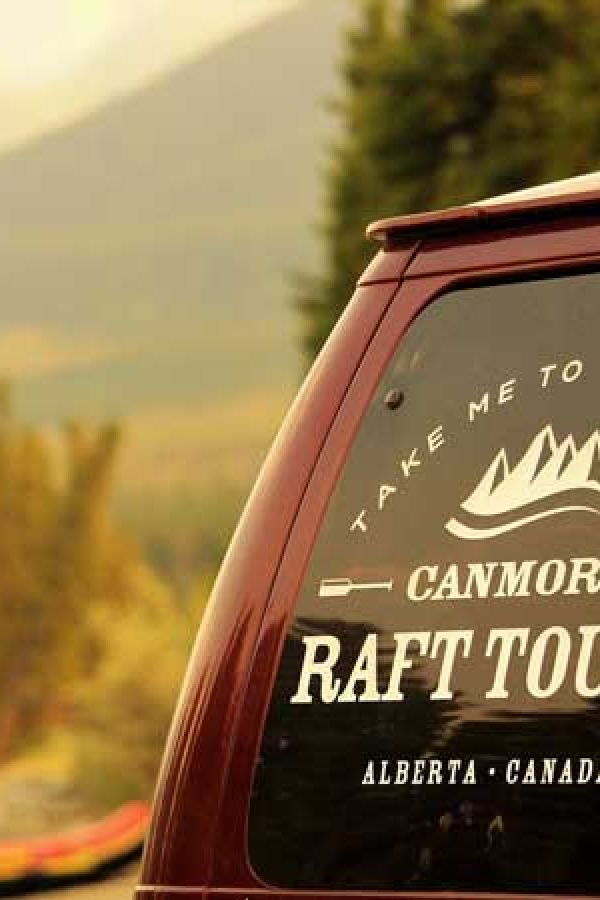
(227, 440)
(192, 407)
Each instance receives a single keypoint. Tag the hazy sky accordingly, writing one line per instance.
(60, 58)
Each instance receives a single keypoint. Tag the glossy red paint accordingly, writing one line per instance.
(195, 766)
(197, 843)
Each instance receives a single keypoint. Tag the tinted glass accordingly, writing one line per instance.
(435, 722)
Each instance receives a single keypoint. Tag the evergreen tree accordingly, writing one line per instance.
(448, 101)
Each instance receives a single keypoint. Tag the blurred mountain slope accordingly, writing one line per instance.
(145, 251)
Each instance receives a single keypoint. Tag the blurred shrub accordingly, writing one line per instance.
(93, 642)
(61, 556)
(185, 529)
(121, 714)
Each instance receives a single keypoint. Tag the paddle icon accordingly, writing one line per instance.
(342, 587)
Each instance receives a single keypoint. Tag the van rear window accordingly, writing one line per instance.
(435, 719)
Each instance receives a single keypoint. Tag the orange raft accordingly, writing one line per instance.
(84, 852)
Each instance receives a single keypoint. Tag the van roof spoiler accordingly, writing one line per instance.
(538, 202)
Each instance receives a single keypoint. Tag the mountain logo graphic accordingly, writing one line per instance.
(550, 478)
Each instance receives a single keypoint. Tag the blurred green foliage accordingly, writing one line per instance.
(94, 642)
(185, 529)
(61, 557)
(121, 713)
(444, 102)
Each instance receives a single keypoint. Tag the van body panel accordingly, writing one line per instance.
(232, 858)
(387, 265)
(195, 763)
(198, 836)
(533, 243)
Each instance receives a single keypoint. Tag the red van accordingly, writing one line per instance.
(396, 688)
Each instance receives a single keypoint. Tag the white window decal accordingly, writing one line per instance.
(550, 478)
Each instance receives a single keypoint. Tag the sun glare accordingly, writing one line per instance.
(45, 41)
(60, 59)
